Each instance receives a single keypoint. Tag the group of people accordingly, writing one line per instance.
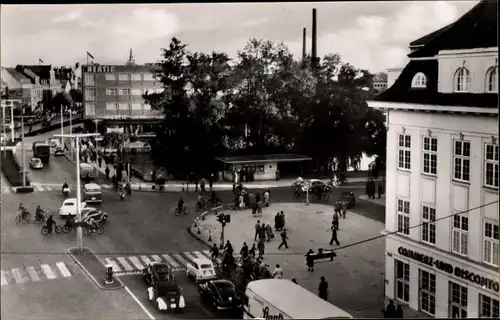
(371, 188)
(392, 311)
(249, 199)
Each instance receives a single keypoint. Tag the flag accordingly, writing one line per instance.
(40, 60)
(89, 55)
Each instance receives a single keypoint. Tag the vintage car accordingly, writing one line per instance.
(220, 294)
(59, 151)
(201, 269)
(314, 185)
(166, 295)
(68, 207)
(157, 272)
(36, 163)
(92, 192)
(98, 215)
(349, 198)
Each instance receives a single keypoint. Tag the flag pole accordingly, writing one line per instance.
(87, 58)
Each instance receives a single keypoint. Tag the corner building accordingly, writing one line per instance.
(113, 99)
(442, 224)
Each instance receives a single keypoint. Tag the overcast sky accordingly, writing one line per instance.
(371, 35)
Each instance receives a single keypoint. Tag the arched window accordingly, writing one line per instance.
(419, 81)
(462, 80)
(492, 80)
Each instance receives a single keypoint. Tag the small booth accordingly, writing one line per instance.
(256, 167)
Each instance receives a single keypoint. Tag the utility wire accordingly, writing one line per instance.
(284, 253)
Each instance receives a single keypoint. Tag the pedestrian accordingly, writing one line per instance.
(202, 185)
(310, 260)
(266, 198)
(211, 181)
(294, 280)
(277, 222)
(257, 230)
(215, 252)
(334, 234)
(252, 251)
(390, 310)
(259, 207)
(269, 232)
(262, 232)
(261, 247)
(244, 251)
(372, 189)
(380, 190)
(99, 160)
(282, 219)
(335, 219)
(344, 209)
(277, 272)
(241, 203)
(323, 289)
(399, 312)
(284, 239)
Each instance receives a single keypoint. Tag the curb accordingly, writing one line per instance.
(96, 283)
(202, 217)
(197, 237)
(372, 202)
(24, 190)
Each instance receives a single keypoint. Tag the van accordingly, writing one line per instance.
(92, 192)
(283, 299)
(87, 171)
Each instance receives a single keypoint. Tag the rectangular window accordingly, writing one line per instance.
(147, 77)
(89, 94)
(136, 77)
(430, 155)
(136, 106)
(404, 152)
(428, 224)
(458, 301)
(111, 76)
(461, 158)
(137, 92)
(403, 217)
(112, 106)
(491, 243)
(90, 109)
(123, 92)
(111, 92)
(427, 292)
(460, 233)
(89, 79)
(402, 281)
(488, 307)
(124, 106)
(124, 77)
(491, 166)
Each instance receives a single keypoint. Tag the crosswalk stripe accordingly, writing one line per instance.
(170, 261)
(48, 272)
(114, 265)
(34, 276)
(17, 275)
(156, 257)
(64, 271)
(180, 259)
(146, 260)
(199, 255)
(125, 264)
(49, 188)
(137, 264)
(39, 188)
(3, 278)
(189, 256)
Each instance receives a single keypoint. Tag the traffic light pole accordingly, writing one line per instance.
(222, 236)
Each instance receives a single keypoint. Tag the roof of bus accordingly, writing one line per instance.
(298, 302)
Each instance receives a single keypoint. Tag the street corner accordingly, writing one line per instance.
(95, 269)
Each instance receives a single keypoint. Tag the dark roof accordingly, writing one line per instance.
(16, 75)
(427, 38)
(42, 71)
(401, 90)
(258, 158)
(475, 29)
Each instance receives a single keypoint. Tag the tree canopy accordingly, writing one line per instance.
(264, 101)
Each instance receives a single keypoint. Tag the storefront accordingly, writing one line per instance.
(439, 284)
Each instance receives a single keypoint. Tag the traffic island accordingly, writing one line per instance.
(24, 189)
(95, 269)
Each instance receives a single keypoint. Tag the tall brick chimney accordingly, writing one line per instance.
(314, 53)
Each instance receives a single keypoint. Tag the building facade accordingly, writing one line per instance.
(113, 98)
(442, 217)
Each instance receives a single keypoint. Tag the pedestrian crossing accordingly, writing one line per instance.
(23, 275)
(130, 265)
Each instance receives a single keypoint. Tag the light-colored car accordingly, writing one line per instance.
(201, 269)
(68, 207)
(36, 163)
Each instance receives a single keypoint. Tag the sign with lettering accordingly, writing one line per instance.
(458, 272)
(99, 69)
(266, 315)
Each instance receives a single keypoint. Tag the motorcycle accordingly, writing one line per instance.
(66, 192)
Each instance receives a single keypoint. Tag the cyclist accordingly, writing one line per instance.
(215, 252)
(92, 222)
(49, 223)
(21, 209)
(39, 214)
(180, 205)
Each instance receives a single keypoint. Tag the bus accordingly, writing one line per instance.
(283, 299)
(41, 150)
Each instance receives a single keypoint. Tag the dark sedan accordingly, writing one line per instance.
(317, 185)
(157, 272)
(220, 294)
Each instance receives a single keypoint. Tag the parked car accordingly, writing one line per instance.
(201, 269)
(166, 295)
(36, 163)
(220, 294)
(68, 207)
(349, 198)
(157, 272)
(59, 151)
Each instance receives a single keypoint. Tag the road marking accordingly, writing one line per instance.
(189, 256)
(114, 265)
(3, 278)
(199, 255)
(39, 188)
(137, 264)
(171, 261)
(207, 253)
(180, 258)
(146, 260)
(17, 275)
(47, 271)
(34, 276)
(139, 303)
(125, 264)
(64, 271)
(49, 188)
(156, 257)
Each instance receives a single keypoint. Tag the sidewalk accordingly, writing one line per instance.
(380, 202)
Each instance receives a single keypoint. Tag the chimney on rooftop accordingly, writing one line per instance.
(314, 53)
(304, 33)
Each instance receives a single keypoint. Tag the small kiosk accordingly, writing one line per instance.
(257, 167)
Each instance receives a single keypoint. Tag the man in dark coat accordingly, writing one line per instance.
(310, 260)
(323, 289)
(257, 230)
(284, 239)
(334, 234)
(390, 311)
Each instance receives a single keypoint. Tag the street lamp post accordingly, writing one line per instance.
(79, 237)
(62, 120)
(22, 144)
(12, 123)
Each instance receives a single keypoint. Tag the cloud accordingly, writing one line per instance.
(67, 17)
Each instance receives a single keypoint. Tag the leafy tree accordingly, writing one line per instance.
(59, 99)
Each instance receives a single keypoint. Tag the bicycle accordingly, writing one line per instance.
(69, 227)
(23, 216)
(185, 211)
(43, 218)
(88, 230)
(200, 206)
(45, 230)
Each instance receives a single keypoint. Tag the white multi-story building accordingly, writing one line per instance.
(442, 217)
